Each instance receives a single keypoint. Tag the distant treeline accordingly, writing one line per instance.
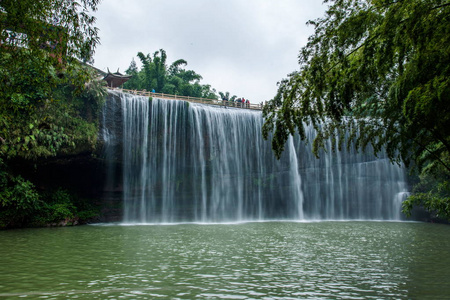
(156, 75)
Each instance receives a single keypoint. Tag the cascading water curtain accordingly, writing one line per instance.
(190, 162)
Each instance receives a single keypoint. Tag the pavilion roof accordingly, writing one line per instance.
(116, 79)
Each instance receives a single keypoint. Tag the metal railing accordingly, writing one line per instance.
(192, 99)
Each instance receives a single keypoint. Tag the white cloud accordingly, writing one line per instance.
(244, 47)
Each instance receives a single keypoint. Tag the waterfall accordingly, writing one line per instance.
(184, 162)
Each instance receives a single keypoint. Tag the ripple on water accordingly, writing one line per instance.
(344, 260)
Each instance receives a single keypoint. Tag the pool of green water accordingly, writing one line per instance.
(267, 260)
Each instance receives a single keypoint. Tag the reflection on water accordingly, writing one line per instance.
(278, 260)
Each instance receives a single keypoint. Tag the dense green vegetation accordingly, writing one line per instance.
(174, 79)
(48, 101)
(379, 69)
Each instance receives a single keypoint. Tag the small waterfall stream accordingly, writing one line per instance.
(184, 162)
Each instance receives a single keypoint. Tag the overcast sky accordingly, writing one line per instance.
(241, 46)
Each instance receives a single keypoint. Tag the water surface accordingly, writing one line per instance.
(271, 260)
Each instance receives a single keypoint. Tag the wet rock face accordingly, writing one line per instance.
(65, 222)
(84, 176)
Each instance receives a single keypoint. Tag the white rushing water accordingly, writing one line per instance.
(190, 162)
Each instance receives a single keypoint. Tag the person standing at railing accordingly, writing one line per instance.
(247, 103)
(225, 101)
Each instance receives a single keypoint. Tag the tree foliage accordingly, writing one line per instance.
(21, 204)
(58, 26)
(66, 122)
(379, 70)
(18, 199)
(156, 75)
(40, 41)
(48, 100)
(42, 44)
(226, 96)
